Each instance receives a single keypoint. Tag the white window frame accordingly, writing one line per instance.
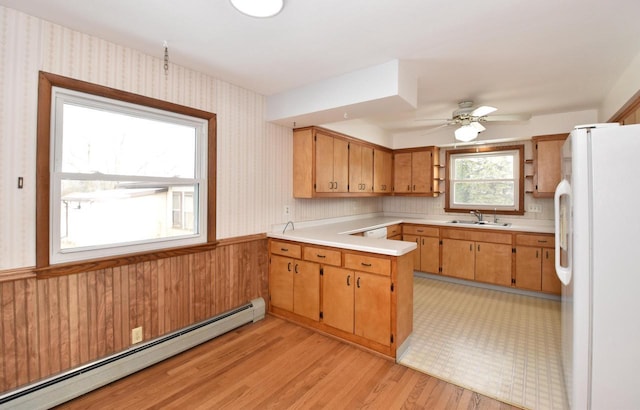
(515, 151)
(60, 96)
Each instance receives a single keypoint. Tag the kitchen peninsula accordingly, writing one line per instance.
(330, 277)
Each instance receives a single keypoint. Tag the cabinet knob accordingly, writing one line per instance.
(348, 280)
(289, 267)
(368, 265)
(358, 282)
(295, 269)
(321, 256)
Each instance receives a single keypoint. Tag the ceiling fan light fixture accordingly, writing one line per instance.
(466, 133)
(258, 8)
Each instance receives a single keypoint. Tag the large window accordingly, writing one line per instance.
(485, 179)
(126, 175)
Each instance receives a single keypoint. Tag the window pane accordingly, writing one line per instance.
(113, 143)
(498, 193)
(96, 213)
(484, 167)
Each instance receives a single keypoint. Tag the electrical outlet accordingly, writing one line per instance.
(136, 335)
(287, 210)
(536, 208)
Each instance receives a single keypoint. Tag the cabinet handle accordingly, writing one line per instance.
(336, 187)
(358, 282)
(289, 267)
(321, 256)
(470, 248)
(542, 241)
(284, 249)
(408, 187)
(537, 254)
(348, 280)
(295, 269)
(423, 241)
(547, 255)
(478, 248)
(330, 185)
(368, 265)
(414, 187)
(419, 230)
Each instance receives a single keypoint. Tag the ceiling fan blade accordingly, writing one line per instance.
(482, 111)
(434, 129)
(477, 126)
(514, 117)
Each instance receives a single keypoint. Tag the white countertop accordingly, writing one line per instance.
(338, 233)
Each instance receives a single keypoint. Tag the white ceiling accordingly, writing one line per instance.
(535, 57)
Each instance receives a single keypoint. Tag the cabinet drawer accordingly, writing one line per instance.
(421, 230)
(545, 241)
(393, 230)
(286, 249)
(366, 263)
(322, 255)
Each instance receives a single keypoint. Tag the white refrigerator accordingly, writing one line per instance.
(597, 211)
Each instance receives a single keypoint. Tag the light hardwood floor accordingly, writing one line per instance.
(279, 365)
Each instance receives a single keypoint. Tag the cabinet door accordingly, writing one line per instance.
(493, 263)
(458, 258)
(360, 168)
(429, 254)
(281, 282)
(337, 298)
(373, 307)
(550, 281)
(417, 254)
(402, 172)
(324, 163)
(340, 165)
(306, 289)
(547, 166)
(382, 161)
(367, 169)
(528, 267)
(421, 172)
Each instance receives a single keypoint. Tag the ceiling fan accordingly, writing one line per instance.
(469, 119)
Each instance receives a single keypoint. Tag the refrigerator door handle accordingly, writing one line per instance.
(562, 231)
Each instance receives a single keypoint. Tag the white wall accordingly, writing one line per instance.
(254, 157)
(625, 89)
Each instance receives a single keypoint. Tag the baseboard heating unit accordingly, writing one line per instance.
(63, 387)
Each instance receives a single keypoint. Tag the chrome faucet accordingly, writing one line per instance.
(478, 215)
(293, 227)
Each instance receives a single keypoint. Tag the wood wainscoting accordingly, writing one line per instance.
(57, 323)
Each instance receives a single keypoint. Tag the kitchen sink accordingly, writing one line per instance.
(475, 222)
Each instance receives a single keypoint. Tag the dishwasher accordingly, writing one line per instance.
(379, 233)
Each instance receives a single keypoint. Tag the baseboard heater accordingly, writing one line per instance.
(63, 387)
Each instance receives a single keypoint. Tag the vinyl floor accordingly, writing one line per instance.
(499, 344)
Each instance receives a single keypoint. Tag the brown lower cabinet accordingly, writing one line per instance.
(357, 302)
(361, 297)
(498, 257)
(535, 263)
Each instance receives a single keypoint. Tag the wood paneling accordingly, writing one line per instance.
(56, 323)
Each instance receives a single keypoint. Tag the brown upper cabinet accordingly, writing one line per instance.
(330, 164)
(360, 168)
(547, 151)
(414, 171)
(382, 169)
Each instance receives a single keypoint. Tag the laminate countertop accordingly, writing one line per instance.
(340, 234)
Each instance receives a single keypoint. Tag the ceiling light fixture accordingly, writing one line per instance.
(258, 8)
(466, 133)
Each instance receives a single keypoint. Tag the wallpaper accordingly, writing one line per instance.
(254, 175)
